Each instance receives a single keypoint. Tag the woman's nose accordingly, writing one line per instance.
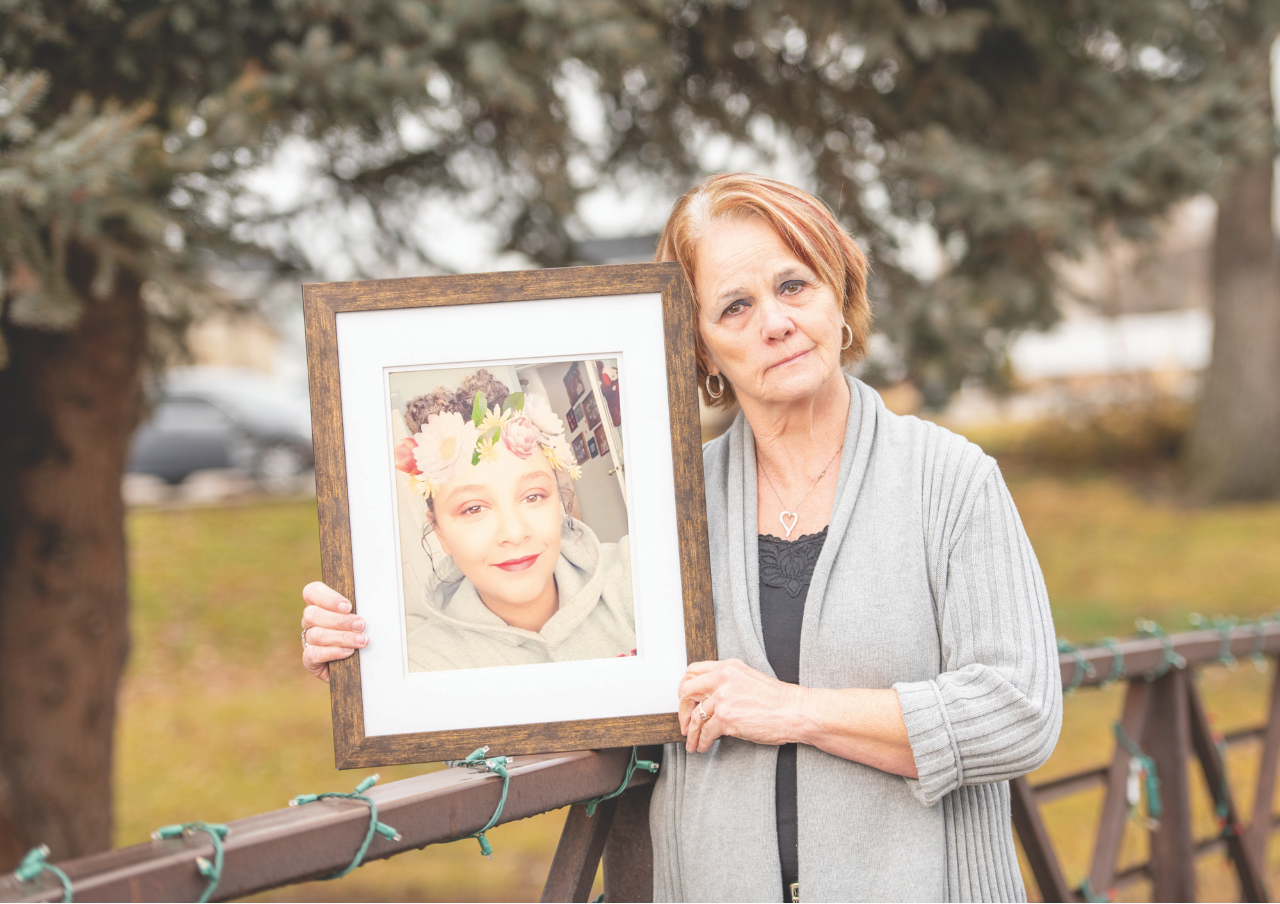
(775, 319)
(512, 527)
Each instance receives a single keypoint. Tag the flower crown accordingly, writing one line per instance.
(446, 440)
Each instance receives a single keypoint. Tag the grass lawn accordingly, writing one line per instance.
(219, 721)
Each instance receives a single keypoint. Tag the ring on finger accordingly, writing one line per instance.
(304, 637)
(702, 713)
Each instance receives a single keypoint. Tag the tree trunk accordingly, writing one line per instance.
(1235, 445)
(68, 404)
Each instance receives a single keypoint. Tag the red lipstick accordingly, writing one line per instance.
(518, 564)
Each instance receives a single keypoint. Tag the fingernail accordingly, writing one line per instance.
(361, 640)
(344, 606)
(357, 625)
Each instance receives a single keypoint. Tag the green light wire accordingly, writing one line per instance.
(35, 863)
(211, 871)
(375, 827)
(1087, 892)
(636, 763)
(1170, 657)
(1223, 626)
(1148, 766)
(1117, 661)
(1082, 669)
(1256, 655)
(498, 766)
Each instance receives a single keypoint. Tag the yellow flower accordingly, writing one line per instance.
(560, 456)
(495, 418)
(486, 450)
(553, 457)
(419, 484)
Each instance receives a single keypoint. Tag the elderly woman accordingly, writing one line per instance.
(889, 656)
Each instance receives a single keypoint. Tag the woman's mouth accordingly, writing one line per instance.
(518, 564)
(796, 357)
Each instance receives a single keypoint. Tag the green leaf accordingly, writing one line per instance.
(514, 402)
(475, 457)
(479, 408)
(491, 434)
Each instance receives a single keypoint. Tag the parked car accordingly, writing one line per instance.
(206, 417)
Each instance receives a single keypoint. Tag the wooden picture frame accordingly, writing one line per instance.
(658, 292)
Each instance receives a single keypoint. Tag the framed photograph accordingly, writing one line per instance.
(579, 450)
(514, 598)
(573, 382)
(571, 419)
(577, 413)
(591, 447)
(602, 440)
(591, 412)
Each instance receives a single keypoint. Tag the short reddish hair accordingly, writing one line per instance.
(806, 224)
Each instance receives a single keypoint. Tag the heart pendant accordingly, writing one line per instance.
(789, 527)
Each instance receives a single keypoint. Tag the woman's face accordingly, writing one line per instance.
(500, 522)
(768, 326)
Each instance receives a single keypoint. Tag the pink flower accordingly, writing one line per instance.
(405, 460)
(520, 436)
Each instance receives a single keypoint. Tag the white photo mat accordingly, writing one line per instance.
(372, 344)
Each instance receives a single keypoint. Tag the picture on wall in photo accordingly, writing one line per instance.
(591, 447)
(591, 412)
(580, 450)
(572, 419)
(602, 440)
(573, 385)
(511, 552)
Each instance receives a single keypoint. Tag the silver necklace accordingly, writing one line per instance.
(794, 514)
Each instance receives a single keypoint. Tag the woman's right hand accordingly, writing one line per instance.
(331, 632)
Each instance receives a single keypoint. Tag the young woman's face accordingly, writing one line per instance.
(500, 522)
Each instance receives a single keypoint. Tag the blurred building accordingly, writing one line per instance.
(1136, 325)
(259, 326)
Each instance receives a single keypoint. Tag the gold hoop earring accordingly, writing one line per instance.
(848, 342)
(716, 393)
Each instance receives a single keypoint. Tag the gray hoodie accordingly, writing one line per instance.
(596, 618)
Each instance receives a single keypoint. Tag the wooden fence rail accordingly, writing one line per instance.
(1162, 712)
(1164, 715)
(294, 844)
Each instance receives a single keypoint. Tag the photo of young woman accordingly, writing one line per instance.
(511, 576)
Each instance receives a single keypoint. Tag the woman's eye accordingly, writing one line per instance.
(791, 287)
(735, 308)
(473, 509)
(535, 497)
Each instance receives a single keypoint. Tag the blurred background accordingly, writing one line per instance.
(1069, 209)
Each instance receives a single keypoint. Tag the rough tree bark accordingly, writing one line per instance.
(1235, 445)
(68, 404)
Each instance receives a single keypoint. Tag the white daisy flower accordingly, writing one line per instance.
(446, 440)
(541, 416)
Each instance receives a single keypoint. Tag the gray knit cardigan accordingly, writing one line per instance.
(926, 584)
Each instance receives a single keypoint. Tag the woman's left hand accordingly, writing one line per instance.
(738, 701)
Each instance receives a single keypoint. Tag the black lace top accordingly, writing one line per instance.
(785, 571)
